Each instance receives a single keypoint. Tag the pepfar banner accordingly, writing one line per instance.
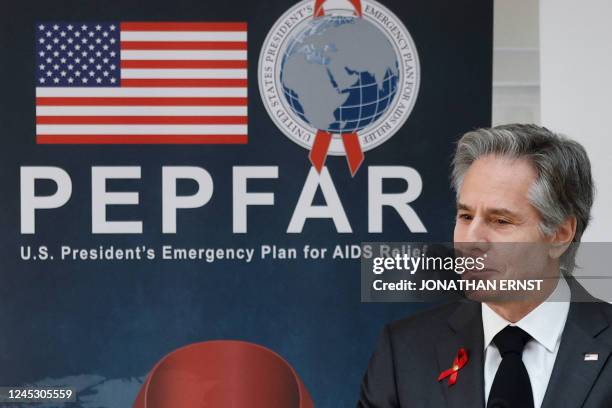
(184, 182)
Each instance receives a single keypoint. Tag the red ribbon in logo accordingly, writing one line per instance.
(318, 8)
(318, 153)
(460, 360)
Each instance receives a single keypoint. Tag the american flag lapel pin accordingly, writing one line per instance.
(591, 357)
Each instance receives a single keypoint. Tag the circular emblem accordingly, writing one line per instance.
(339, 81)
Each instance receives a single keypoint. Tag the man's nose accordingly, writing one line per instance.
(478, 237)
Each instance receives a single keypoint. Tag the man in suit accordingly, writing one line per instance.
(514, 184)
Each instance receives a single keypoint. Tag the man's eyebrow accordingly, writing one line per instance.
(495, 211)
(502, 211)
(461, 206)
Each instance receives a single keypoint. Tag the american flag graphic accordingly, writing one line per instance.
(141, 83)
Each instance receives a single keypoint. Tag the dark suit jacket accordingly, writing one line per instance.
(411, 353)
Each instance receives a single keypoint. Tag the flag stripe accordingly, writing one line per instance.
(184, 73)
(183, 26)
(141, 101)
(183, 55)
(183, 36)
(141, 120)
(142, 92)
(141, 110)
(148, 83)
(141, 139)
(141, 129)
(183, 45)
(178, 64)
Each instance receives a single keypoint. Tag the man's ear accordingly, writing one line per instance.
(562, 237)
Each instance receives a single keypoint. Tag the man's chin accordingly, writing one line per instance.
(482, 277)
(488, 296)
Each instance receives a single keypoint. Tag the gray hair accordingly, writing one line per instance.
(563, 187)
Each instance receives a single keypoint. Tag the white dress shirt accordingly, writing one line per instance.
(545, 324)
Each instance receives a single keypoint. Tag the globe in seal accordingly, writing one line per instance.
(339, 73)
(315, 72)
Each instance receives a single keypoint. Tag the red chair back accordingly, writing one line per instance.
(223, 374)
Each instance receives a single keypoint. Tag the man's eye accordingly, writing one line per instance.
(502, 221)
(466, 217)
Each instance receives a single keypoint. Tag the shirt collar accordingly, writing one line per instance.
(545, 323)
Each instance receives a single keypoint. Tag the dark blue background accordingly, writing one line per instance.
(117, 319)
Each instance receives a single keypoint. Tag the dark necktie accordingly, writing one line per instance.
(511, 387)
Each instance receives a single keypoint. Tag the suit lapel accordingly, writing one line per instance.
(466, 323)
(571, 372)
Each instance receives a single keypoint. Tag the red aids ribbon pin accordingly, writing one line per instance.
(318, 153)
(460, 360)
